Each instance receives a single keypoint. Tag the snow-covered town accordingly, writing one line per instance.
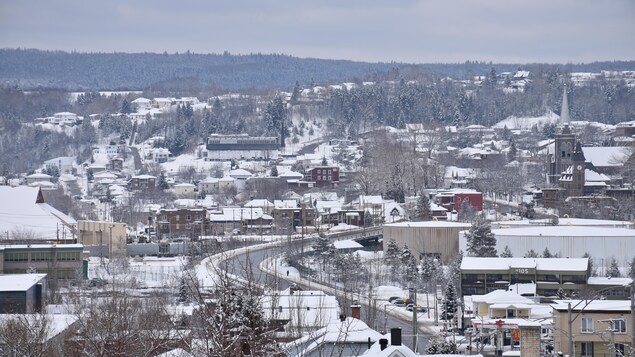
(299, 221)
(200, 204)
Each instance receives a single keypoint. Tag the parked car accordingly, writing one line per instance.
(97, 282)
(399, 302)
(393, 298)
(418, 308)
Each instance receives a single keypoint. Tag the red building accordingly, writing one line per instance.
(454, 199)
(324, 175)
(181, 223)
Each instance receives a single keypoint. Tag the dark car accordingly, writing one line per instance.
(393, 298)
(97, 282)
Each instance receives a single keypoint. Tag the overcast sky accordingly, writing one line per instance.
(366, 30)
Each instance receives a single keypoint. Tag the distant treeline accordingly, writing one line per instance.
(29, 69)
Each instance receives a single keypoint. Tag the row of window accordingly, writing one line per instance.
(586, 349)
(187, 217)
(615, 325)
(40, 256)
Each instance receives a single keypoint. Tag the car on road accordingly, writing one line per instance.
(411, 307)
(393, 298)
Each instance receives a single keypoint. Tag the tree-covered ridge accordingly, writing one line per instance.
(101, 71)
(31, 68)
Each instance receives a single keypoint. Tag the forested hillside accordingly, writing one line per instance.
(30, 69)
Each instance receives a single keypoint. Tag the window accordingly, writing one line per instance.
(619, 350)
(164, 217)
(40, 256)
(587, 324)
(188, 217)
(16, 257)
(67, 256)
(618, 325)
(586, 349)
(188, 226)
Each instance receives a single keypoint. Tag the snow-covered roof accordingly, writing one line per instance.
(614, 156)
(184, 185)
(596, 305)
(239, 173)
(549, 264)
(600, 280)
(280, 204)
(307, 308)
(144, 177)
(39, 176)
(347, 244)
(56, 323)
(565, 231)
(19, 212)
(526, 123)
(350, 330)
(19, 282)
(430, 224)
(501, 297)
(235, 214)
(259, 202)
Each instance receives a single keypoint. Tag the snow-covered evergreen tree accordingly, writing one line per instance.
(614, 269)
(546, 253)
(592, 268)
(392, 257)
(163, 183)
(531, 254)
(437, 345)
(507, 253)
(423, 211)
(449, 306)
(274, 171)
(480, 239)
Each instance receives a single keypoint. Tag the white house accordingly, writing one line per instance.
(184, 190)
(63, 163)
(208, 185)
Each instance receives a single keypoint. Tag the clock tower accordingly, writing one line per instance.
(577, 171)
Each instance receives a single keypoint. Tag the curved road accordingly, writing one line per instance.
(252, 260)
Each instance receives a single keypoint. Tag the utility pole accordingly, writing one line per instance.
(632, 317)
(414, 321)
(570, 330)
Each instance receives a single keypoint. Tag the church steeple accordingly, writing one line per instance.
(564, 111)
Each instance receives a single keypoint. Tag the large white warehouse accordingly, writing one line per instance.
(567, 241)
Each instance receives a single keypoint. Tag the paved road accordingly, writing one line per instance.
(382, 321)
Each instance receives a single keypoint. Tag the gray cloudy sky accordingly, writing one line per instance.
(368, 30)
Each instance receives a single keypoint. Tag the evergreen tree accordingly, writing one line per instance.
(511, 154)
(392, 257)
(296, 93)
(507, 253)
(411, 272)
(614, 269)
(274, 171)
(481, 242)
(274, 116)
(531, 254)
(163, 183)
(423, 211)
(324, 162)
(631, 270)
(126, 107)
(592, 268)
(546, 253)
(437, 345)
(449, 306)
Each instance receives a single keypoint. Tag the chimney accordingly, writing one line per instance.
(356, 311)
(383, 343)
(395, 336)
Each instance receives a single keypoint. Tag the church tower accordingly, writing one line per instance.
(577, 171)
(564, 144)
